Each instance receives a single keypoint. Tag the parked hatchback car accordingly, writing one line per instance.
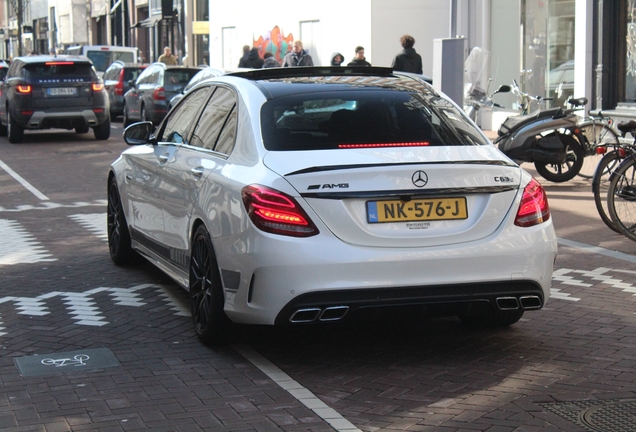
(44, 92)
(117, 80)
(311, 195)
(148, 98)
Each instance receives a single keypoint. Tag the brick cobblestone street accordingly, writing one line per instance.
(570, 366)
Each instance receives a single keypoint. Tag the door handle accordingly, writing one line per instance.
(197, 172)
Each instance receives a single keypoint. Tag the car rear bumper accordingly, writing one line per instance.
(274, 277)
(62, 119)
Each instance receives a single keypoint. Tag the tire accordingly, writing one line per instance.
(210, 323)
(596, 135)
(119, 244)
(82, 130)
(559, 173)
(102, 131)
(3, 130)
(125, 119)
(15, 132)
(493, 318)
(600, 186)
(621, 197)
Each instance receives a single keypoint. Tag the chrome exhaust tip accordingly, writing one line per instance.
(305, 315)
(530, 302)
(507, 303)
(334, 313)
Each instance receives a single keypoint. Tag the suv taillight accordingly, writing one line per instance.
(534, 208)
(119, 87)
(98, 87)
(24, 89)
(276, 212)
(159, 94)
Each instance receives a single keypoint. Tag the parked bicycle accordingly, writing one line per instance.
(599, 133)
(612, 154)
(621, 192)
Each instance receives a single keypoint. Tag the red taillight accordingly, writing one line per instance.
(534, 208)
(24, 89)
(277, 213)
(398, 144)
(159, 94)
(98, 86)
(622, 153)
(601, 150)
(119, 87)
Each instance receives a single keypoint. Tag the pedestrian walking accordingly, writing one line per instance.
(336, 59)
(270, 61)
(359, 59)
(246, 53)
(298, 57)
(408, 60)
(167, 58)
(253, 60)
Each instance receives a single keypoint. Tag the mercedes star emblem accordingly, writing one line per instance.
(419, 179)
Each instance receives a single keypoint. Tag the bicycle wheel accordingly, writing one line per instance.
(600, 185)
(597, 134)
(621, 197)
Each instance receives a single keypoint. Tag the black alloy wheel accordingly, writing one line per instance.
(119, 244)
(211, 324)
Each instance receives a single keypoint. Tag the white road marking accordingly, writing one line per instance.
(18, 246)
(94, 222)
(300, 393)
(48, 205)
(597, 250)
(23, 182)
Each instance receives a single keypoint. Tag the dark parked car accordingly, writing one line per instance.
(44, 92)
(148, 98)
(4, 67)
(117, 82)
(206, 73)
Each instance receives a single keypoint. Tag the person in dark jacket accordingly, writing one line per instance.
(298, 57)
(408, 60)
(246, 52)
(336, 59)
(359, 59)
(253, 61)
(270, 61)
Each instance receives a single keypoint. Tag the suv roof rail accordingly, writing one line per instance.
(308, 71)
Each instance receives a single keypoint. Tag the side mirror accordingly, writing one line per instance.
(140, 134)
(131, 83)
(503, 89)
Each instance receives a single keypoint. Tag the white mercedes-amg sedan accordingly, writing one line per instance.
(311, 195)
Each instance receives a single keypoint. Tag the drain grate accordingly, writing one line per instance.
(616, 415)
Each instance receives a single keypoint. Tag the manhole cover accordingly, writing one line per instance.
(616, 415)
(64, 362)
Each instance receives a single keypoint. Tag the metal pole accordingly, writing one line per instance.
(453, 19)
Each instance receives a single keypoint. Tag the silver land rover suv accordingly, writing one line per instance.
(45, 92)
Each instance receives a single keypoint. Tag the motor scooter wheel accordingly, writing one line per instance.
(559, 173)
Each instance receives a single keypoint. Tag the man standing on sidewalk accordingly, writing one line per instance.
(167, 58)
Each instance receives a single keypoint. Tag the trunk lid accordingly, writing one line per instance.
(412, 197)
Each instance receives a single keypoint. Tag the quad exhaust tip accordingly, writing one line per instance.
(514, 303)
(333, 313)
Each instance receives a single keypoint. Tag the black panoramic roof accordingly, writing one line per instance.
(274, 82)
(312, 71)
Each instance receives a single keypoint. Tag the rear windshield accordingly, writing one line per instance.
(344, 119)
(102, 59)
(179, 77)
(62, 71)
(132, 73)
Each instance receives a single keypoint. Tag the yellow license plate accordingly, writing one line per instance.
(429, 209)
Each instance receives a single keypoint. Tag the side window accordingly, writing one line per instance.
(178, 124)
(216, 128)
(144, 76)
